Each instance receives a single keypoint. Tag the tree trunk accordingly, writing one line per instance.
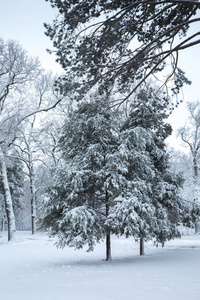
(3, 223)
(108, 237)
(108, 247)
(196, 189)
(141, 246)
(8, 199)
(33, 202)
(197, 227)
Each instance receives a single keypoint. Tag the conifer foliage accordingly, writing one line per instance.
(115, 176)
(121, 43)
(84, 188)
(149, 205)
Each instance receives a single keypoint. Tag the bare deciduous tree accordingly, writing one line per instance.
(190, 135)
(35, 141)
(16, 69)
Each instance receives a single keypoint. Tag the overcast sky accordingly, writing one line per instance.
(22, 20)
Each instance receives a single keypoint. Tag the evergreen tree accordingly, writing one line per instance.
(83, 189)
(149, 205)
(114, 181)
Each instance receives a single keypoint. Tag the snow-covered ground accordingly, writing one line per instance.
(32, 268)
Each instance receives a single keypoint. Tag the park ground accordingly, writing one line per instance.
(31, 268)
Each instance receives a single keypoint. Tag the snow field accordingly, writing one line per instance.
(33, 268)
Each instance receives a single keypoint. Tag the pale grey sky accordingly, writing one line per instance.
(22, 20)
(189, 61)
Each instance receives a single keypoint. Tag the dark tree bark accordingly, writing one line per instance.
(142, 246)
(108, 237)
(33, 203)
(108, 247)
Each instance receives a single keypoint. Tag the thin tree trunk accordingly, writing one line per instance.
(195, 178)
(33, 203)
(196, 189)
(108, 247)
(108, 237)
(3, 224)
(8, 199)
(141, 246)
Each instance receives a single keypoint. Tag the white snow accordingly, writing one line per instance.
(32, 268)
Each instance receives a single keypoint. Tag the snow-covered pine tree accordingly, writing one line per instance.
(149, 205)
(79, 201)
